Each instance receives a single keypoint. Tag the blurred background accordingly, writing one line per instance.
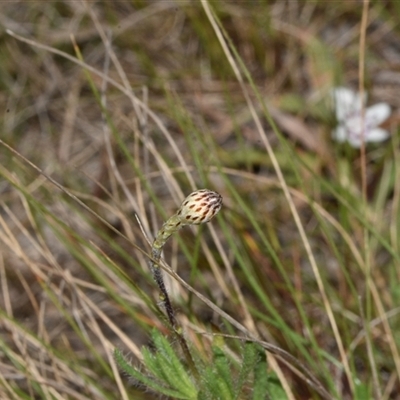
(130, 106)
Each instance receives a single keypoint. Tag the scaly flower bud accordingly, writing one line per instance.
(199, 207)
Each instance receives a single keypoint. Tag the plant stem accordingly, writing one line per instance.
(198, 208)
(165, 232)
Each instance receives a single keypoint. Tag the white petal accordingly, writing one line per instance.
(346, 102)
(339, 134)
(355, 142)
(374, 116)
(344, 94)
(377, 135)
(371, 135)
(377, 113)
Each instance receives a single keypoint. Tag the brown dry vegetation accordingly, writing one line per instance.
(73, 288)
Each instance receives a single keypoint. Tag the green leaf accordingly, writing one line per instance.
(171, 367)
(275, 389)
(248, 363)
(153, 382)
(223, 373)
(260, 389)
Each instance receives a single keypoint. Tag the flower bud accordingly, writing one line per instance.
(199, 207)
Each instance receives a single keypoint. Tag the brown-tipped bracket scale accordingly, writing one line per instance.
(198, 208)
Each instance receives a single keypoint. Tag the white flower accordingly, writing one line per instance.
(348, 107)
